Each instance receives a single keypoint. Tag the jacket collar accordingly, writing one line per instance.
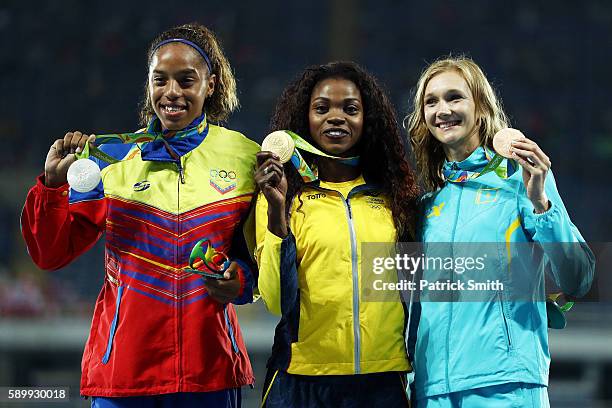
(475, 161)
(181, 145)
(368, 186)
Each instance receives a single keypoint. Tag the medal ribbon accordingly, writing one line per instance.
(128, 138)
(308, 175)
(566, 307)
(462, 176)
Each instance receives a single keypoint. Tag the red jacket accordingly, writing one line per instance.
(154, 329)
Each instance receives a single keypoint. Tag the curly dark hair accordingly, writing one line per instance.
(383, 158)
(223, 101)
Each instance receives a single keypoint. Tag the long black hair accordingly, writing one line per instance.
(383, 159)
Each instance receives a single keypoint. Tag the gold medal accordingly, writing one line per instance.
(280, 143)
(502, 141)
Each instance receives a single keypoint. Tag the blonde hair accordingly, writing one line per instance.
(224, 100)
(490, 117)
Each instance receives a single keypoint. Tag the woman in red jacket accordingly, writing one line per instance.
(160, 336)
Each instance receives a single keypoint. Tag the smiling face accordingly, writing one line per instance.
(179, 83)
(336, 116)
(450, 114)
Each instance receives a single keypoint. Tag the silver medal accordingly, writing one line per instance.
(84, 175)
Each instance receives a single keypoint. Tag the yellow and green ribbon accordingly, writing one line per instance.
(494, 164)
(135, 138)
(307, 174)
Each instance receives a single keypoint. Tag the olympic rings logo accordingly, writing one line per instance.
(224, 175)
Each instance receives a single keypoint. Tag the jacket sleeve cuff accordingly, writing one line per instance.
(288, 273)
(56, 197)
(550, 226)
(245, 275)
(272, 239)
(550, 207)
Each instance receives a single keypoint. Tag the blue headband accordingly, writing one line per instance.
(189, 43)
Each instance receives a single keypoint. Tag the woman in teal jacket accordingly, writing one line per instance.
(492, 351)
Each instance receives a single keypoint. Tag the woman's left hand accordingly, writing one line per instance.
(535, 166)
(227, 289)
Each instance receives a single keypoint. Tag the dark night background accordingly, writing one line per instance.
(77, 65)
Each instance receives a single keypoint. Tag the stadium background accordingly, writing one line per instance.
(69, 64)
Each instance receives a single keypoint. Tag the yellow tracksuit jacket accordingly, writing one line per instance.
(312, 278)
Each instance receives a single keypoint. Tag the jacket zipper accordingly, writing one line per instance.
(181, 180)
(450, 318)
(177, 160)
(506, 328)
(354, 272)
(179, 167)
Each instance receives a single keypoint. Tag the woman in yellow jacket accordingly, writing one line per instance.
(331, 347)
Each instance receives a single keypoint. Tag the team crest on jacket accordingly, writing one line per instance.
(223, 180)
(486, 195)
(375, 202)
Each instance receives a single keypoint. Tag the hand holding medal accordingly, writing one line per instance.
(512, 144)
(85, 176)
(62, 154)
(286, 145)
(277, 149)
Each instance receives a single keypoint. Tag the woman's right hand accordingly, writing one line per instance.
(61, 156)
(271, 180)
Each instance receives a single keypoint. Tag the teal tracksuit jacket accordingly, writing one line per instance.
(461, 345)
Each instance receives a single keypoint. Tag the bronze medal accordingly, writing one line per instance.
(502, 141)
